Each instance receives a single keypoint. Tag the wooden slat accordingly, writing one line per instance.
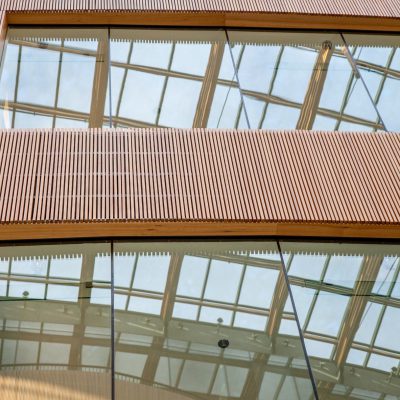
(199, 175)
(380, 8)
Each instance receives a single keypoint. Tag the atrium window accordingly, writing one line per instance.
(79, 78)
(159, 318)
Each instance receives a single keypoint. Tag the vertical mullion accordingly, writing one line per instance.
(272, 84)
(164, 89)
(58, 84)
(236, 72)
(16, 85)
(307, 359)
(112, 322)
(122, 88)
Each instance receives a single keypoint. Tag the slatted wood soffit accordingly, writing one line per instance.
(381, 8)
(199, 175)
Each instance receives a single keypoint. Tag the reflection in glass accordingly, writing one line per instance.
(188, 78)
(349, 315)
(54, 78)
(300, 81)
(173, 78)
(55, 335)
(378, 60)
(167, 333)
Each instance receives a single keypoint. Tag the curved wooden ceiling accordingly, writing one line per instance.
(199, 175)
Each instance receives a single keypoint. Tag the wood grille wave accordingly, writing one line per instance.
(378, 8)
(199, 175)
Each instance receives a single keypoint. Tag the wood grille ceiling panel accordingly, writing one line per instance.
(381, 8)
(199, 175)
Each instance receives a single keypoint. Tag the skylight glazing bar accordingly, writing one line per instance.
(359, 75)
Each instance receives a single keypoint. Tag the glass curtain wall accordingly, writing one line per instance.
(80, 78)
(192, 320)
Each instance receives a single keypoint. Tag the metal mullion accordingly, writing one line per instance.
(38, 353)
(271, 85)
(47, 278)
(279, 387)
(395, 277)
(180, 372)
(204, 287)
(238, 114)
(363, 81)
(384, 76)
(301, 336)
(314, 300)
(139, 292)
(212, 380)
(214, 377)
(16, 84)
(8, 276)
(134, 271)
(40, 279)
(244, 269)
(130, 289)
(236, 67)
(277, 310)
(122, 88)
(77, 115)
(345, 98)
(161, 102)
(112, 313)
(375, 67)
(53, 47)
(256, 262)
(58, 83)
(48, 111)
(377, 328)
(382, 81)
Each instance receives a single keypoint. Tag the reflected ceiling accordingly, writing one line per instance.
(217, 79)
(174, 302)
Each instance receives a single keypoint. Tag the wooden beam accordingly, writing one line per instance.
(278, 304)
(69, 230)
(315, 87)
(100, 84)
(150, 368)
(209, 84)
(362, 290)
(84, 296)
(207, 19)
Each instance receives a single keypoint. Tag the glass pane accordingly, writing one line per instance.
(351, 331)
(173, 78)
(55, 332)
(300, 80)
(192, 296)
(377, 57)
(50, 76)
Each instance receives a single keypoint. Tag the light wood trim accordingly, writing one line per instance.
(207, 19)
(67, 230)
